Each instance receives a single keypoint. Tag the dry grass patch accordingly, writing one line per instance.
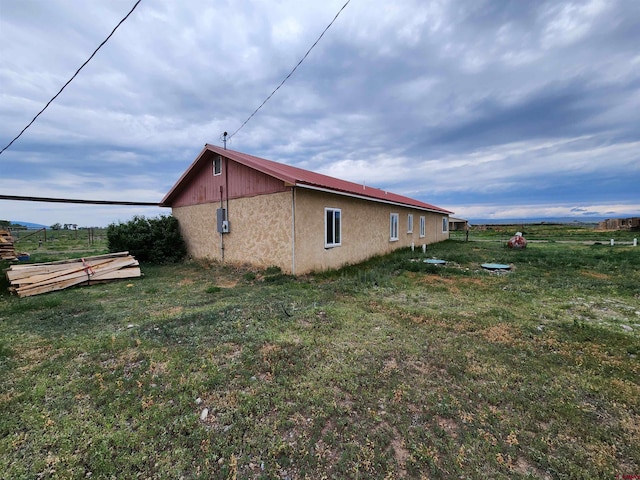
(592, 274)
(502, 333)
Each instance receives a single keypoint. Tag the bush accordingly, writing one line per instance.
(155, 240)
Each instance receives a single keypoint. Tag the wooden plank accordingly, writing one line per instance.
(49, 288)
(15, 274)
(118, 274)
(39, 273)
(34, 279)
(25, 270)
(73, 260)
(80, 274)
(104, 277)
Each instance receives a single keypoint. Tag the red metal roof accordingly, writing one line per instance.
(301, 178)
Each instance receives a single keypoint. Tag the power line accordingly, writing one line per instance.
(21, 198)
(291, 72)
(71, 79)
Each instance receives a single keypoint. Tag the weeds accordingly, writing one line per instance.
(388, 369)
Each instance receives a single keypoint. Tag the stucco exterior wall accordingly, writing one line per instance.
(262, 230)
(198, 228)
(260, 233)
(365, 230)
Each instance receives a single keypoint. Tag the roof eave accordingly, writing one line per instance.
(372, 199)
(165, 202)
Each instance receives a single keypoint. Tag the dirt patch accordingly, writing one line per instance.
(185, 281)
(342, 398)
(390, 366)
(270, 352)
(600, 276)
(421, 367)
(227, 283)
(230, 353)
(448, 425)
(400, 453)
(330, 426)
(524, 467)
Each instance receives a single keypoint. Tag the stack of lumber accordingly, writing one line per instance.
(37, 278)
(7, 251)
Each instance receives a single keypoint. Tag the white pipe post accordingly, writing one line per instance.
(635, 242)
(612, 242)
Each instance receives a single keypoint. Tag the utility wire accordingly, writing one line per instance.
(291, 72)
(22, 198)
(71, 79)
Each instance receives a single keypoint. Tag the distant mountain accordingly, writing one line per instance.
(29, 224)
(530, 221)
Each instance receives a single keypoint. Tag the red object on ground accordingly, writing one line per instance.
(517, 241)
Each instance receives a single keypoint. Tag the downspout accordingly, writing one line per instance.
(293, 230)
(221, 234)
(226, 185)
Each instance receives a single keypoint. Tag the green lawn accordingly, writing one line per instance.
(389, 369)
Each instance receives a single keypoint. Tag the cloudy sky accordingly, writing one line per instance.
(492, 109)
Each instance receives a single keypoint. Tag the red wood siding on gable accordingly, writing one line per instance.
(204, 187)
(247, 182)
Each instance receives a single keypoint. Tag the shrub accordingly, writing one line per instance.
(155, 240)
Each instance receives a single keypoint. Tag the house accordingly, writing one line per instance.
(458, 224)
(632, 223)
(239, 208)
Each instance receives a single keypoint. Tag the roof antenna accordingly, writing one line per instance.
(224, 139)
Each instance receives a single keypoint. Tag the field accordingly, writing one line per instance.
(389, 369)
(55, 244)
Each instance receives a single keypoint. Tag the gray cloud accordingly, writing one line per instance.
(465, 104)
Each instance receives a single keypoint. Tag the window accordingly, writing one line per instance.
(393, 233)
(423, 227)
(445, 224)
(410, 223)
(217, 165)
(332, 227)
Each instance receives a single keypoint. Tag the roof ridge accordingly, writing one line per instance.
(297, 176)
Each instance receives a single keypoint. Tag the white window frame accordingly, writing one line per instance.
(217, 160)
(393, 226)
(423, 227)
(445, 224)
(327, 222)
(410, 223)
